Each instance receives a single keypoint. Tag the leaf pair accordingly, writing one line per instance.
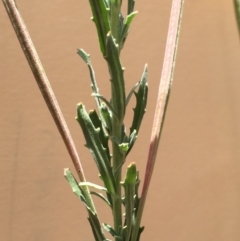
(96, 142)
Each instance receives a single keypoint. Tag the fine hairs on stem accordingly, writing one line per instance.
(106, 124)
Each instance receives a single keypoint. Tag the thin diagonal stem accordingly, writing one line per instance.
(162, 100)
(45, 88)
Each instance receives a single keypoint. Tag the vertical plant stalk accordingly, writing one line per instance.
(162, 100)
(115, 11)
(118, 159)
(118, 103)
(237, 13)
(45, 88)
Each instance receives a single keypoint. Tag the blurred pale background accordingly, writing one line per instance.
(195, 191)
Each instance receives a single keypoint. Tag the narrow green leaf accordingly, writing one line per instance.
(117, 79)
(136, 197)
(135, 210)
(140, 109)
(74, 185)
(141, 102)
(103, 137)
(132, 139)
(121, 24)
(100, 195)
(86, 58)
(124, 137)
(106, 115)
(109, 198)
(131, 4)
(93, 143)
(125, 28)
(123, 145)
(90, 184)
(96, 227)
(93, 218)
(131, 93)
(112, 232)
(129, 184)
(100, 13)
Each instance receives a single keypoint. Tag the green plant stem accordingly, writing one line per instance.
(46, 90)
(115, 11)
(118, 159)
(163, 97)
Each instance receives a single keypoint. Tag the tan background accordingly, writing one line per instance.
(195, 192)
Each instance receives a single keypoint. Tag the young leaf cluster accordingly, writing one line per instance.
(106, 125)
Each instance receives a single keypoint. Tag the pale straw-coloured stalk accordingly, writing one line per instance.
(162, 100)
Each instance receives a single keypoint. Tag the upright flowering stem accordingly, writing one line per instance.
(162, 100)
